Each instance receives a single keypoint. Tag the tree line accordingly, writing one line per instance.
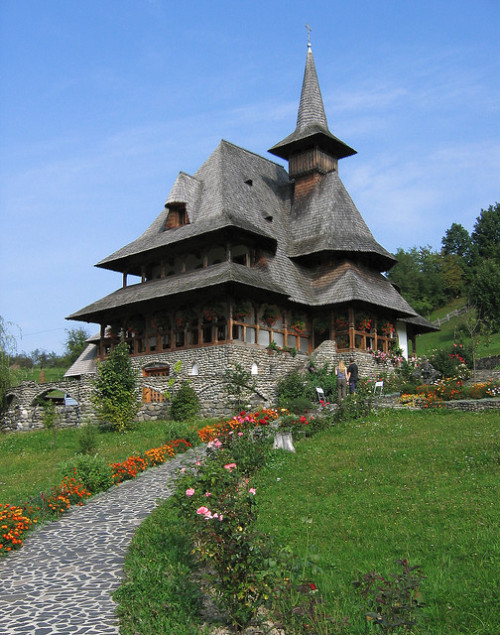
(75, 345)
(467, 266)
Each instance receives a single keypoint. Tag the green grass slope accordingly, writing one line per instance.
(448, 334)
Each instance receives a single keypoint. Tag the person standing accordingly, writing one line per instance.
(342, 379)
(352, 371)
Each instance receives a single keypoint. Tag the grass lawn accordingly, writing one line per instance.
(33, 374)
(29, 462)
(418, 485)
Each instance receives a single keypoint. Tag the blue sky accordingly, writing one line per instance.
(102, 103)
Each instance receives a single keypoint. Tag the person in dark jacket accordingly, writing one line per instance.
(352, 371)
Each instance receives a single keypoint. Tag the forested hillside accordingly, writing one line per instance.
(467, 266)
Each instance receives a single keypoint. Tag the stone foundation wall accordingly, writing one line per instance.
(209, 364)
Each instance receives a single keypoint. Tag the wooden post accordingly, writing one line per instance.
(230, 321)
(351, 329)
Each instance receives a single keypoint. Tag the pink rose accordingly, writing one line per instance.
(203, 511)
(230, 466)
(190, 491)
(252, 490)
(208, 494)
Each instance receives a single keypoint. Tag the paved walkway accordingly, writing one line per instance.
(60, 581)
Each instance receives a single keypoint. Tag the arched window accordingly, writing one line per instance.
(194, 369)
(156, 370)
(255, 369)
(240, 255)
(216, 255)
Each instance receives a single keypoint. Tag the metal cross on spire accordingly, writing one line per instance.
(308, 35)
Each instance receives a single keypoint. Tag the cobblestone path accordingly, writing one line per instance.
(60, 581)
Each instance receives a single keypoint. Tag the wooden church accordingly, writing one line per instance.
(246, 253)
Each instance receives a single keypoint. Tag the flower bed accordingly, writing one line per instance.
(15, 521)
(451, 389)
(238, 423)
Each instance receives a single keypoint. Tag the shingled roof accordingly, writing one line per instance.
(234, 188)
(328, 220)
(312, 127)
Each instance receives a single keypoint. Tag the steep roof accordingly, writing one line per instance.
(85, 364)
(312, 126)
(234, 188)
(327, 220)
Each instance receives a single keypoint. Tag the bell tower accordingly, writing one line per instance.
(311, 150)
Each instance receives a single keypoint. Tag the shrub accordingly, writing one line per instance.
(87, 441)
(355, 406)
(250, 449)
(298, 404)
(185, 403)
(92, 471)
(291, 388)
(451, 362)
(394, 601)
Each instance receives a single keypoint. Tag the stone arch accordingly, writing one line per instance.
(155, 369)
(43, 394)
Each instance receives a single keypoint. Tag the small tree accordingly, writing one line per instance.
(185, 403)
(239, 385)
(475, 331)
(49, 418)
(115, 393)
(7, 350)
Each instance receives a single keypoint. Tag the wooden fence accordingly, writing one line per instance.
(451, 315)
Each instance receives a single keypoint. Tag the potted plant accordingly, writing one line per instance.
(113, 330)
(298, 324)
(241, 310)
(136, 324)
(212, 312)
(341, 322)
(270, 315)
(160, 322)
(273, 347)
(364, 322)
(386, 328)
(185, 317)
(322, 323)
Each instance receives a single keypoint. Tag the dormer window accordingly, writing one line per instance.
(177, 215)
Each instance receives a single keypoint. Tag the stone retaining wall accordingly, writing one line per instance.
(488, 363)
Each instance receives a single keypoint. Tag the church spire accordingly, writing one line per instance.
(311, 108)
(312, 130)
